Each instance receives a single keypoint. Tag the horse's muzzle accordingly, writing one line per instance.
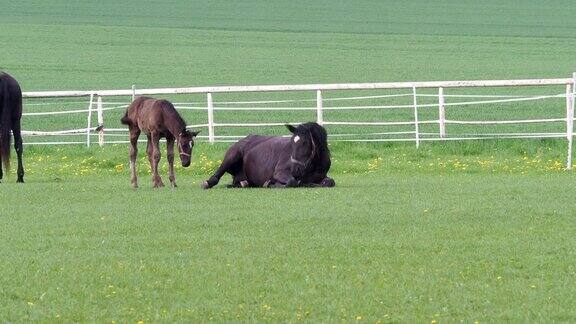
(186, 159)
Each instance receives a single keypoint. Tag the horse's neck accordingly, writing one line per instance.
(174, 123)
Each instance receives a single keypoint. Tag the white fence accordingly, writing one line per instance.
(96, 105)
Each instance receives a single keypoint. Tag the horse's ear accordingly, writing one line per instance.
(291, 128)
(194, 134)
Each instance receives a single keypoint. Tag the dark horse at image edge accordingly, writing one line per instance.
(157, 119)
(302, 160)
(10, 115)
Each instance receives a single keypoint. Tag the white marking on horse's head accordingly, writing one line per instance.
(296, 139)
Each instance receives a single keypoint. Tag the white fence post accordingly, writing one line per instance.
(570, 98)
(89, 125)
(319, 112)
(210, 117)
(100, 122)
(441, 113)
(133, 92)
(569, 124)
(416, 126)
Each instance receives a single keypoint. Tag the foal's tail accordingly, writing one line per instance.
(5, 123)
(136, 103)
(125, 120)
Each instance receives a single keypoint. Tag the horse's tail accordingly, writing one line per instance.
(5, 123)
(136, 103)
(125, 120)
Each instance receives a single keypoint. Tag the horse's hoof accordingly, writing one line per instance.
(174, 185)
(244, 184)
(135, 186)
(205, 185)
(328, 182)
(266, 184)
(20, 181)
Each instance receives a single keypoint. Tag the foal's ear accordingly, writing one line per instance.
(194, 134)
(291, 128)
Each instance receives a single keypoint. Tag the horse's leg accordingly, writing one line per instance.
(318, 179)
(19, 150)
(149, 150)
(149, 154)
(170, 156)
(282, 179)
(232, 158)
(328, 182)
(239, 181)
(134, 134)
(157, 181)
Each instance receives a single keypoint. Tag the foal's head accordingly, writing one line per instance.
(303, 149)
(185, 142)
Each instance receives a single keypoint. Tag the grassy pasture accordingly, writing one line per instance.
(444, 233)
(388, 246)
(475, 231)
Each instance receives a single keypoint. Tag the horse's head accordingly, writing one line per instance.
(185, 143)
(303, 150)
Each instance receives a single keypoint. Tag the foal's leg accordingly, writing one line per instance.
(149, 153)
(156, 180)
(19, 150)
(149, 150)
(170, 156)
(134, 134)
(232, 159)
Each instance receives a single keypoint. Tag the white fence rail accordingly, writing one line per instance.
(96, 104)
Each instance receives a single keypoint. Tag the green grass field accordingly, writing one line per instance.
(469, 231)
(402, 249)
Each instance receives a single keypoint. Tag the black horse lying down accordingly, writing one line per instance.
(264, 161)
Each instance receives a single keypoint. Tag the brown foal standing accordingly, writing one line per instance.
(157, 119)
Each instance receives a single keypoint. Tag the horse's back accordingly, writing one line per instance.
(10, 94)
(138, 109)
(259, 143)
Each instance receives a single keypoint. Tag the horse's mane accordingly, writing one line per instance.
(319, 136)
(170, 111)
